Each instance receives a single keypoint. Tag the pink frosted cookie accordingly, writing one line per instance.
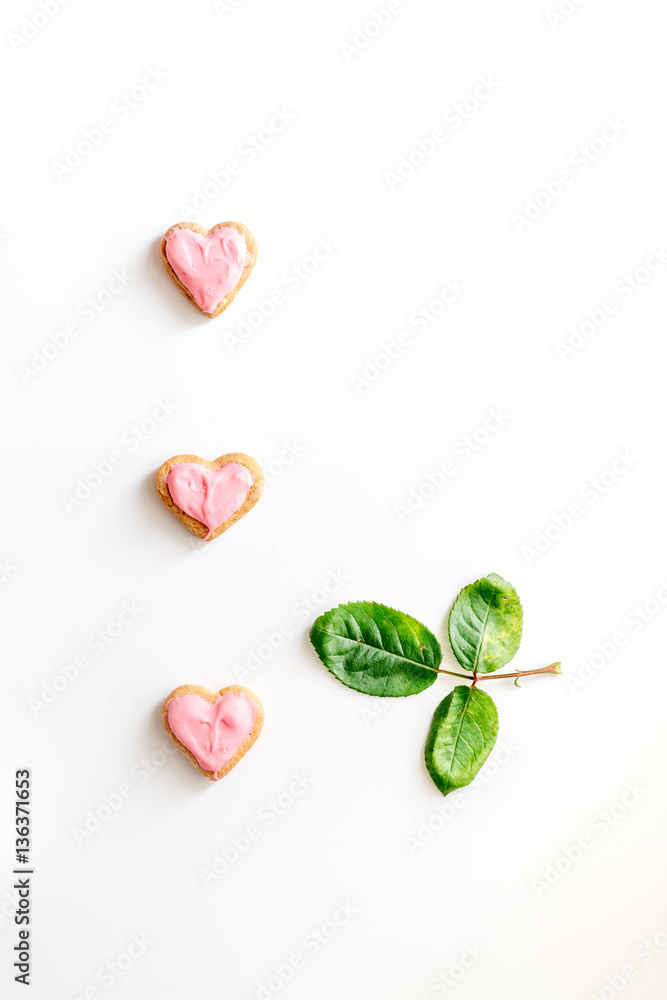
(209, 497)
(213, 730)
(209, 265)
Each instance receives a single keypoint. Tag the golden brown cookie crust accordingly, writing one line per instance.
(211, 697)
(192, 523)
(250, 260)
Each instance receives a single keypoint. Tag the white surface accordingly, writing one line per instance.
(205, 609)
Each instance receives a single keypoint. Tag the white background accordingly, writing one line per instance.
(357, 104)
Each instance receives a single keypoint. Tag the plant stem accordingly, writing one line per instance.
(553, 668)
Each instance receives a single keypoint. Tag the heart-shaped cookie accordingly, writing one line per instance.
(209, 265)
(209, 497)
(213, 730)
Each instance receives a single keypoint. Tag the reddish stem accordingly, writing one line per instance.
(553, 668)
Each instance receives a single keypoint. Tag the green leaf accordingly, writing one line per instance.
(376, 650)
(485, 624)
(462, 735)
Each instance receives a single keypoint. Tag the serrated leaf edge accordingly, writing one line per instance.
(449, 617)
(377, 604)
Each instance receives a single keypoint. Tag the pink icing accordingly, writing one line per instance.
(208, 265)
(209, 495)
(212, 732)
